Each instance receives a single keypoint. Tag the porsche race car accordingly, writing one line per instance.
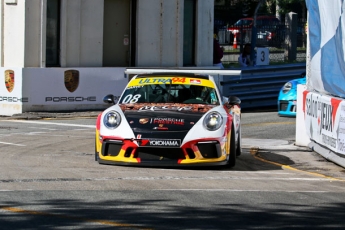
(169, 119)
(287, 99)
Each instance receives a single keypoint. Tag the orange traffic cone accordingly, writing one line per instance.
(234, 44)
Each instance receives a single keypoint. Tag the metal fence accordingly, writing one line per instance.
(275, 55)
(259, 87)
(274, 36)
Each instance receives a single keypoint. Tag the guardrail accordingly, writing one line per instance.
(259, 86)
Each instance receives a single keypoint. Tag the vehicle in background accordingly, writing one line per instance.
(242, 29)
(276, 36)
(287, 99)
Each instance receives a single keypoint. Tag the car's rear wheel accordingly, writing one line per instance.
(239, 147)
(232, 155)
(96, 153)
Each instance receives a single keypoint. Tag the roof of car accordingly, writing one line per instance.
(191, 75)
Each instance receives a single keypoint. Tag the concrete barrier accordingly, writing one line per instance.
(58, 89)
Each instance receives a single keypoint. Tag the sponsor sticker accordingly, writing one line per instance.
(168, 121)
(162, 143)
(195, 81)
(139, 82)
(143, 120)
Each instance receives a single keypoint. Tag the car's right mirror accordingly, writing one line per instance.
(233, 100)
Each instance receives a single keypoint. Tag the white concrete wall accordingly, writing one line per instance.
(204, 33)
(302, 138)
(32, 33)
(14, 34)
(81, 33)
(44, 89)
(11, 102)
(159, 33)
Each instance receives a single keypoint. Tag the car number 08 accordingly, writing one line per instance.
(131, 98)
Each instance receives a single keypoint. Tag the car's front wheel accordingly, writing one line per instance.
(232, 155)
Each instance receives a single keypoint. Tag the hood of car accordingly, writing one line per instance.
(163, 117)
(299, 81)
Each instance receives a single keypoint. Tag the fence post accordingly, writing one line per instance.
(290, 53)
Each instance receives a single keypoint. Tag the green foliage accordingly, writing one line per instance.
(286, 6)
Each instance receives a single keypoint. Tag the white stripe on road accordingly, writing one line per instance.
(242, 190)
(52, 123)
(7, 143)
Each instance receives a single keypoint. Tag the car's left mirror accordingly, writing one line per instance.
(110, 99)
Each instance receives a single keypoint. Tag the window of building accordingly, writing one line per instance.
(189, 33)
(53, 33)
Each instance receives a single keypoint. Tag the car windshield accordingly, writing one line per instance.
(170, 93)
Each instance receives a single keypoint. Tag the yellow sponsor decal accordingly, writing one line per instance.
(170, 80)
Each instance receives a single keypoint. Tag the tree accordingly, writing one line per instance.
(286, 6)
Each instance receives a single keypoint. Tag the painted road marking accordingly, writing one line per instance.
(254, 152)
(53, 123)
(241, 190)
(49, 129)
(7, 143)
(147, 178)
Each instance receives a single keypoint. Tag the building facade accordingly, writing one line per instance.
(106, 33)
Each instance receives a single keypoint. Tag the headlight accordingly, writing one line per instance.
(287, 87)
(213, 121)
(112, 119)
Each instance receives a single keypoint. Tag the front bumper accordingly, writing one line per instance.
(287, 108)
(194, 153)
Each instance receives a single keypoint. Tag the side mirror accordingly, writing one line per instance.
(110, 99)
(233, 100)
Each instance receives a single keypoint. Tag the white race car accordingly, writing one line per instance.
(169, 119)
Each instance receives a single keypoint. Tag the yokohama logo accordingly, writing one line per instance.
(171, 143)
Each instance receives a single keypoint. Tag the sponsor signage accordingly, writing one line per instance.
(161, 143)
(169, 80)
(195, 81)
(325, 120)
(58, 89)
(70, 99)
(9, 80)
(161, 121)
(71, 78)
(9, 76)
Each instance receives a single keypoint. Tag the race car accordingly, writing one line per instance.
(169, 119)
(287, 99)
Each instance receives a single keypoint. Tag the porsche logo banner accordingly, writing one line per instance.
(71, 80)
(9, 80)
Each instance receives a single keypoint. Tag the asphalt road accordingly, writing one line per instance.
(49, 180)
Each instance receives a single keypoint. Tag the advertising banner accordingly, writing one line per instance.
(326, 32)
(11, 97)
(58, 89)
(325, 120)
